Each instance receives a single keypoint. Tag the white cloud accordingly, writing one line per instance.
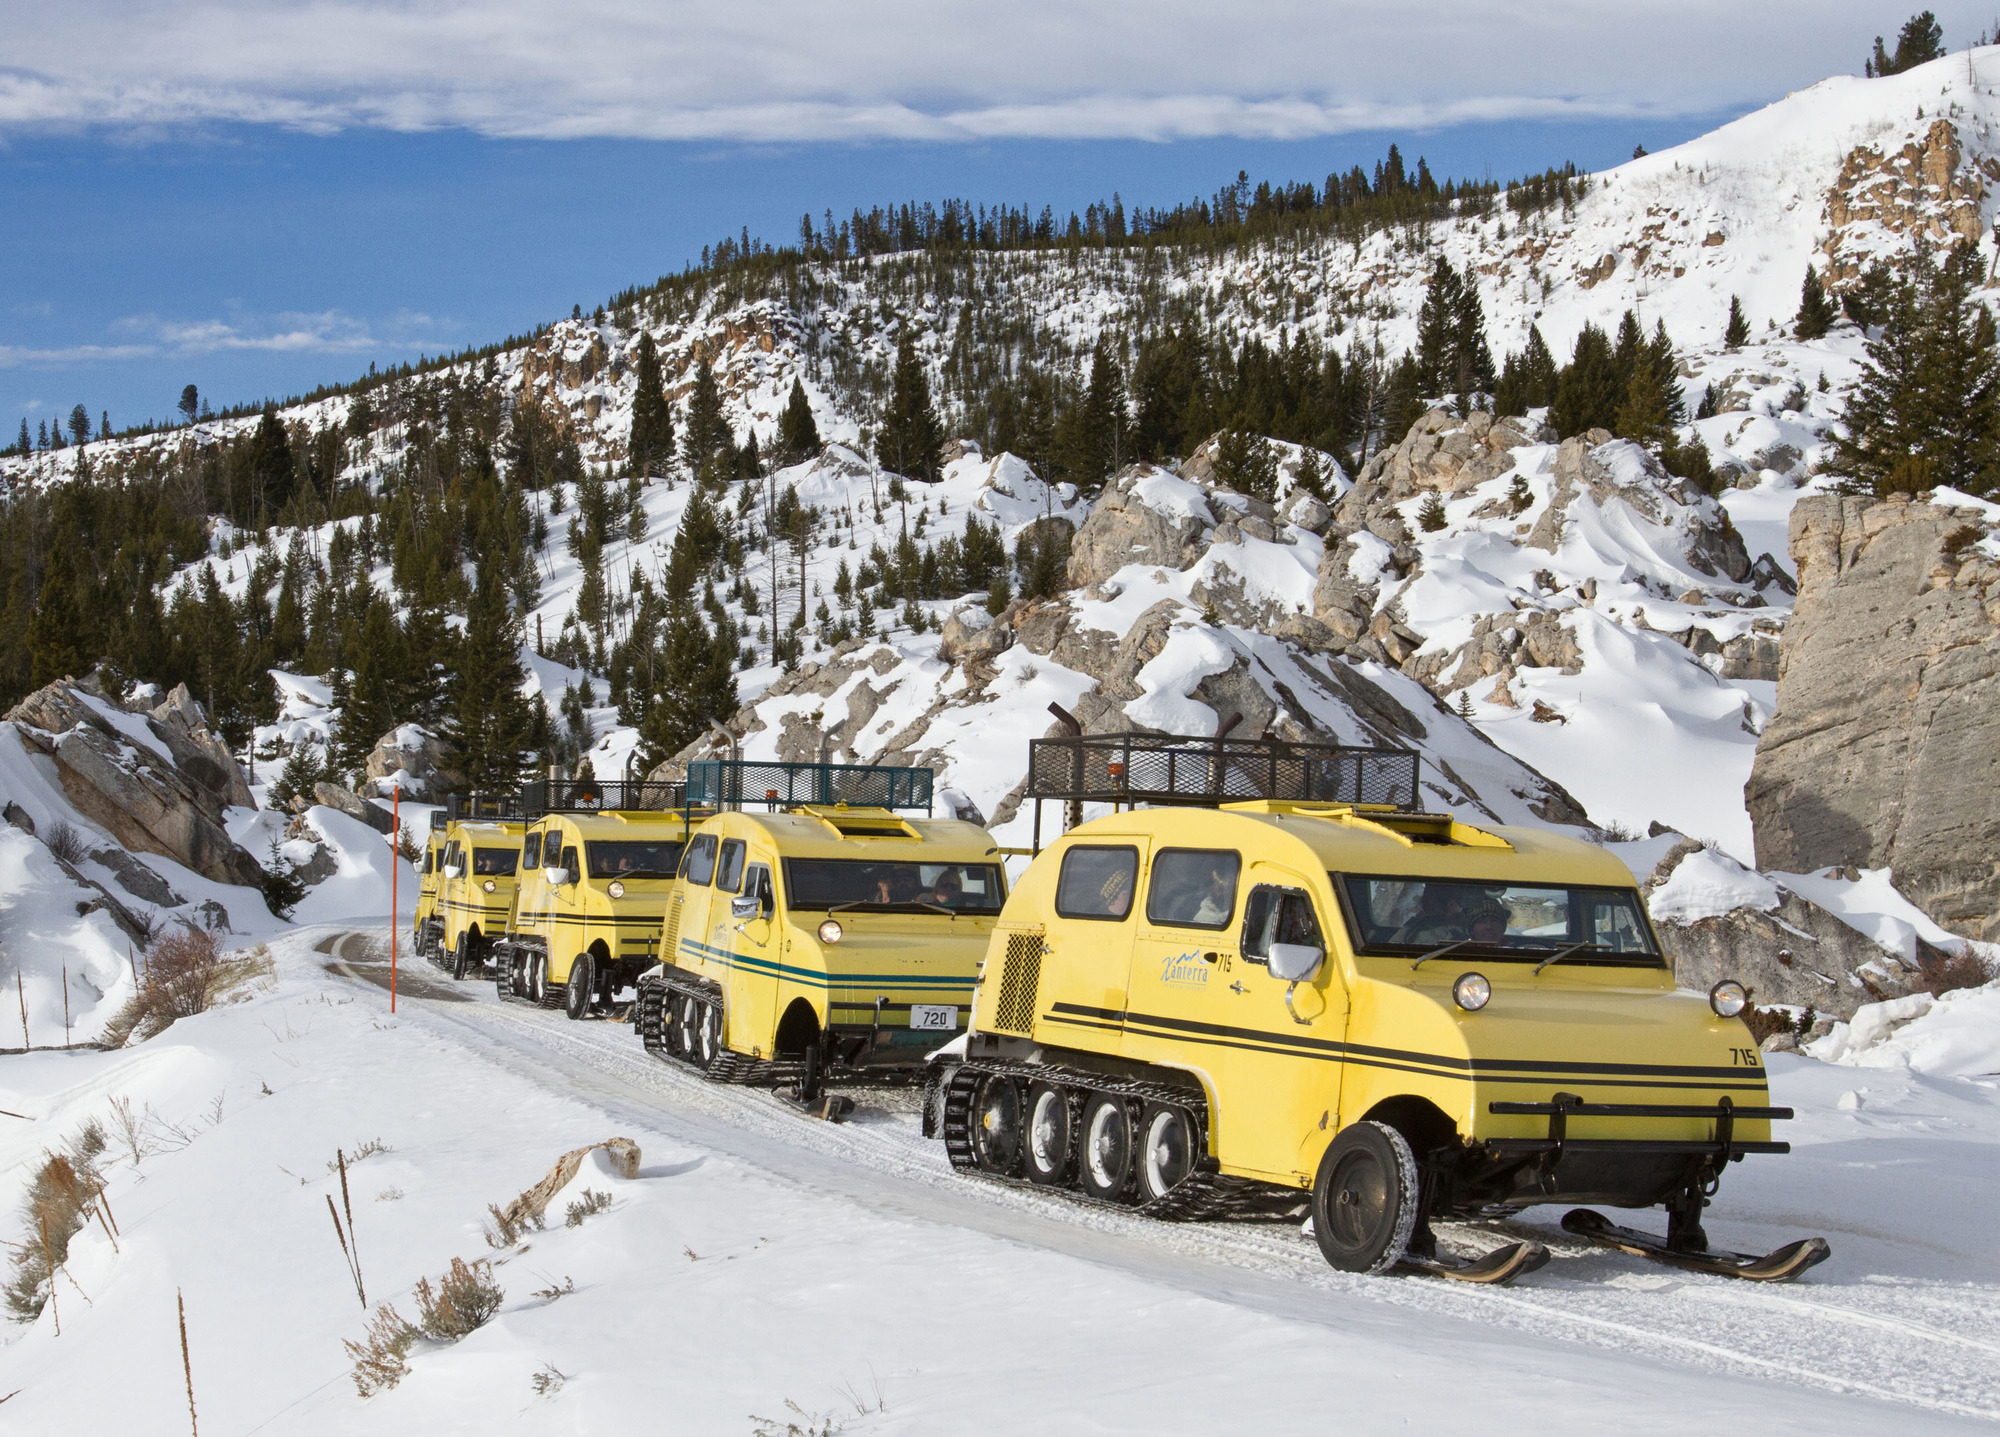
(148, 336)
(791, 70)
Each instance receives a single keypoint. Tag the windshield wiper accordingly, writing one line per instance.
(856, 903)
(1559, 955)
(935, 907)
(1439, 953)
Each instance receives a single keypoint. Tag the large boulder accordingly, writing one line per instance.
(1881, 752)
(1144, 516)
(153, 785)
(414, 759)
(347, 801)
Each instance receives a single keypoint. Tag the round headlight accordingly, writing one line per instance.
(831, 931)
(615, 888)
(490, 886)
(1472, 992)
(1728, 998)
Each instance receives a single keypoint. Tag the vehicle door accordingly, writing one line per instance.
(688, 910)
(1282, 1067)
(1184, 956)
(530, 875)
(1088, 960)
(746, 934)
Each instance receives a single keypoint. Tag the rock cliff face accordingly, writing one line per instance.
(1881, 752)
(1924, 190)
(156, 782)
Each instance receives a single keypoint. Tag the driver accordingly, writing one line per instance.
(1439, 918)
(1489, 925)
(1218, 895)
(945, 892)
(903, 885)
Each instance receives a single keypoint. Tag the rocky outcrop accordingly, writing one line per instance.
(156, 785)
(1921, 192)
(1881, 751)
(1144, 516)
(1446, 453)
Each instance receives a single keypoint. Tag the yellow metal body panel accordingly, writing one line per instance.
(884, 962)
(1283, 1079)
(427, 884)
(582, 917)
(473, 902)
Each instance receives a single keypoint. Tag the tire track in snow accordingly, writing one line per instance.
(1587, 1294)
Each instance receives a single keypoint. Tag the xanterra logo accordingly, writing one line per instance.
(1184, 970)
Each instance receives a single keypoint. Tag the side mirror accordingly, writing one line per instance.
(454, 870)
(1295, 962)
(746, 905)
(557, 877)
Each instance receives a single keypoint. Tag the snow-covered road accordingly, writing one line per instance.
(1903, 1316)
(761, 1257)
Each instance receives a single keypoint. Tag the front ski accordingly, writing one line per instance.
(1503, 1264)
(1779, 1265)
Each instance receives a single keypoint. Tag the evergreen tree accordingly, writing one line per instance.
(1091, 433)
(1920, 41)
(1816, 312)
(1245, 462)
(366, 692)
(1736, 333)
(79, 426)
(707, 445)
(1452, 354)
(651, 448)
(489, 723)
(1431, 516)
(1644, 415)
(53, 650)
(911, 439)
(1587, 392)
(798, 433)
(24, 445)
(1528, 381)
(696, 684)
(1926, 408)
(271, 470)
(190, 403)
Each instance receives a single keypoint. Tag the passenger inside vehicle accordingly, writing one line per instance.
(1217, 895)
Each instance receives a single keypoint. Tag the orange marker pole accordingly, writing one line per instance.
(395, 866)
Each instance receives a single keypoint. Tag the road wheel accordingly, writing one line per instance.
(1364, 1202)
(461, 957)
(1049, 1135)
(706, 1021)
(548, 992)
(1105, 1170)
(997, 1124)
(1166, 1150)
(578, 992)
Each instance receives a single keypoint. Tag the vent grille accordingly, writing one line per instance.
(670, 945)
(1020, 982)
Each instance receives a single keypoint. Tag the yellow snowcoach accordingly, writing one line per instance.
(1285, 986)
(832, 934)
(426, 929)
(477, 877)
(597, 863)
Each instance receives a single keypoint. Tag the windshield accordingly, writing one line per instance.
(915, 887)
(495, 862)
(633, 860)
(1505, 921)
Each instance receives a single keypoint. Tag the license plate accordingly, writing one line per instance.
(931, 1017)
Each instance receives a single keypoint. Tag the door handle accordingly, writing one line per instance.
(1237, 987)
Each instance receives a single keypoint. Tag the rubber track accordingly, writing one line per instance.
(728, 1067)
(1204, 1195)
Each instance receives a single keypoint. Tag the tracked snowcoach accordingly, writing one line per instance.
(597, 865)
(820, 929)
(1285, 985)
(477, 875)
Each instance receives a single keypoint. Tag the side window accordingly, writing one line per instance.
(1193, 887)
(729, 870)
(430, 860)
(757, 885)
(1097, 883)
(568, 859)
(1278, 915)
(451, 854)
(699, 869)
(531, 851)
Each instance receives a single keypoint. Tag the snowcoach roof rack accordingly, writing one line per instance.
(731, 783)
(592, 795)
(1130, 769)
(502, 806)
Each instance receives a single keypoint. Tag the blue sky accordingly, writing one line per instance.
(269, 194)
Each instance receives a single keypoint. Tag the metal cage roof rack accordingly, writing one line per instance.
(1130, 769)
(731, 783)
(593, 795)
(474, 806)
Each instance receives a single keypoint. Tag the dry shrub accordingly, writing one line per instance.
(61, 1197)
(505, 1231)
(183, 974)
(592, 1204)
(1947, 972)
(379, 1357)
(66, 843)
(462, 1301)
